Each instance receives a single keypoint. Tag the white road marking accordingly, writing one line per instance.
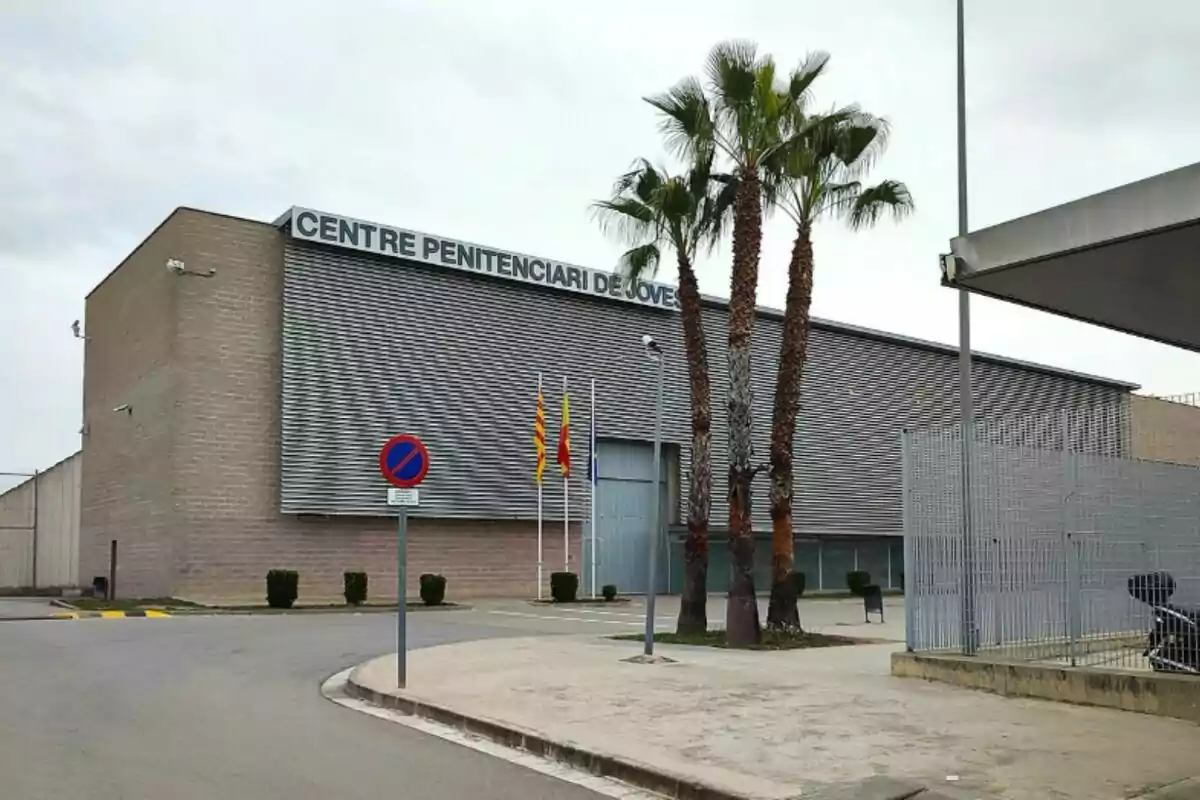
(335, 689)
(660, 622)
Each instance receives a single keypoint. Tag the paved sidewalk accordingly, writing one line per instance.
(26, 608)
(843, 617)
(777, 724)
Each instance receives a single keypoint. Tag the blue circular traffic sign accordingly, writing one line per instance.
(403, 461)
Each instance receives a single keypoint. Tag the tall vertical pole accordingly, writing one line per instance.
(401, 605)
(566, 495)
(36, 515)
(593, 471)
(656, 504)
(540, 577)
(970, 633)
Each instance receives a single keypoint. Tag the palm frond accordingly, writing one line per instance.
(745, 96)
(651, 210)
(641, 262)
(802, 78)
(641, 179)
(628, 219)
(687, 119)
(885, 197)
(862, 141)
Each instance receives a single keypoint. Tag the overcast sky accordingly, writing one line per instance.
(499, 122)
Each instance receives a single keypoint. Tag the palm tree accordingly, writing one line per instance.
(816, 173)
(741, 118)
(650, 209)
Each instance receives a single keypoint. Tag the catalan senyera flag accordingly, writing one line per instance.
(564, 438)
(539, 437)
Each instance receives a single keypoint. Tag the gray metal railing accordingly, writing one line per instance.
(1063, 516)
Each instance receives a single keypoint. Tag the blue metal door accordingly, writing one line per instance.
(624, 507)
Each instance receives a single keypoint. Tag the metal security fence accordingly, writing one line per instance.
(1062, 517)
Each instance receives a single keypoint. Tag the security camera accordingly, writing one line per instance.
(949, 267)
(176, 265)
(123, 407)
(649, 343)
(75, 330)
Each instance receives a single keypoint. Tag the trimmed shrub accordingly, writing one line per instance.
(433, 589)
(283, 587)
(800, 581)
(564, 587)
(609, 592)
(857, 582)
(355, 588)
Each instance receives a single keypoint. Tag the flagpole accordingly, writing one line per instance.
(567, 500)
(539, 520)
(592, 464)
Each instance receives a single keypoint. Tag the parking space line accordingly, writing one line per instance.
(624, 623)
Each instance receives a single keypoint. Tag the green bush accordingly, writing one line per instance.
(857, 582)
(564, 587)
(283, 587)
(800, 581)
(433, 589)
(355, 588)
(609, 592)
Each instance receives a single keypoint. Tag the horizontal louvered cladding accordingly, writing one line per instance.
(374, 347)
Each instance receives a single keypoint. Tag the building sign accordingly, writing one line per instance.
(371, 237)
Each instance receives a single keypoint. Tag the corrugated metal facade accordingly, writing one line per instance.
(375, 346)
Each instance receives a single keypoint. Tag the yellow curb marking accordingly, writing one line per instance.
(149, 613)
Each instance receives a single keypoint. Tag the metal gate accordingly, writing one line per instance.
(624, 498)
(1062, 517)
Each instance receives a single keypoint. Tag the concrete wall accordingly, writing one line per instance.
(44, 510)
(188, 483)
(1165, 429)
(130, 361)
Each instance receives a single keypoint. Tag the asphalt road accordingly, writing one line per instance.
(195, 708)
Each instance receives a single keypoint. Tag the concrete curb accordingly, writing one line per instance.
(609, 766)
(1152, 693)
(309, 611)
(596, 763)
(146, 613)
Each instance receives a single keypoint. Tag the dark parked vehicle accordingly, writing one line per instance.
(1174, 641)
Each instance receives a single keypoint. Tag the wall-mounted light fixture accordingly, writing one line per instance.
(177, 267)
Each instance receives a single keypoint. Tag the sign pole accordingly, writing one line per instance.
(594, 462)
(401, 605)
(403, 462)
(566, 489)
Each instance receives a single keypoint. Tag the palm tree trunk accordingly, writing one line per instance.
(742, 627)
(793, 352)
(693, 605)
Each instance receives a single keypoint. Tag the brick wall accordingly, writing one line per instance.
(1165, 430)
(129, 360)
(189, 483)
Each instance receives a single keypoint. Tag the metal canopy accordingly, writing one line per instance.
(1127, 259)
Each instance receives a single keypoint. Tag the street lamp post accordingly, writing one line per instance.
(655, 354)
(966, 401)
